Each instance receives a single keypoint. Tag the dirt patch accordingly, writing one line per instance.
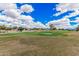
(14, 47)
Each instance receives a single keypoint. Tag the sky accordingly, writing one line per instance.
(40, 15)
(43, 11)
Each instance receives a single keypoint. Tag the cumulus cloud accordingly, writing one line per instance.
(13, 16)
(27, 8)
(9, 9)
(8, 21)
(29, 23)
(40, 25)
(64, 7)
(24, 17)
(24, 21)
(76, 20)
(5, 6)
(76, 12)
(11, 13)
(67, 6)
(63, 23)
(59, 13)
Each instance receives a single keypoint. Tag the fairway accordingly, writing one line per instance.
(51, 43)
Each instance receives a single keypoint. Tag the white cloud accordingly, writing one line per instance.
(40, 25)
(11, 13)
(76, 12)
(27, 8)
(8, 19)
(59, 13)
(29, 23)
(61, 23)
(64, 7)
(76, 20)
(24, 17)
(67, 6)
(5, 18)
(5, 6)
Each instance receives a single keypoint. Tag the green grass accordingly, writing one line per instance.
(45, 33)
(39, 43)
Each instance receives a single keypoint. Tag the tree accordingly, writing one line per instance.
(77, 29)
(52, 27)
(15, 27)
(20, 29)
(3, 27)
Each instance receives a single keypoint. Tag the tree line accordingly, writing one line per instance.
(52, 27)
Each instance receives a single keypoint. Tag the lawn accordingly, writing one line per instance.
(47, 43)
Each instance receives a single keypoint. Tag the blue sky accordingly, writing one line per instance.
(43, 12)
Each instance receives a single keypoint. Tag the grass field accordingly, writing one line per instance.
(51, 43)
